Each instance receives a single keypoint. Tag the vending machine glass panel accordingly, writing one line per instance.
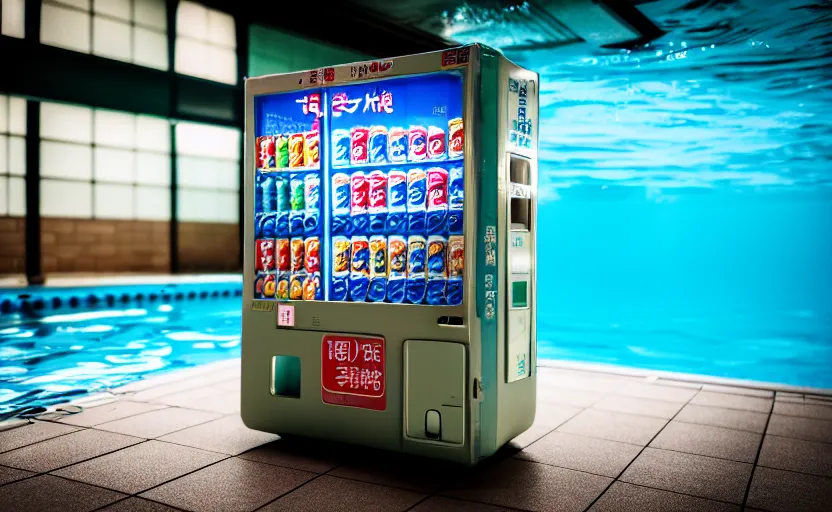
(288, 226)
(397, 192)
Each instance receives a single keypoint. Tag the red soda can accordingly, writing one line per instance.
(265, 255)
(359, 190)
(377, 192)
(283, 255)
(437, 189)
(297, 246)
(417, 144)
(436, 143)
(456, 138)
(359, 140)
(265, 152)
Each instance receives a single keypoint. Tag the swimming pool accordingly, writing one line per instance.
(49, 355)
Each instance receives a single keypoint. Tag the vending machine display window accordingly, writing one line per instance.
(360, 192)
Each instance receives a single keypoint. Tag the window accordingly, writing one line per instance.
(103, 164)
(127, 30)
(12, 156)
(208, 173)
(206, 43)
(13, 16)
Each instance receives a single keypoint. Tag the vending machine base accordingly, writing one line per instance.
(390, 248)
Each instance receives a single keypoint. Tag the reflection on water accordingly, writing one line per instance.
(45, 360)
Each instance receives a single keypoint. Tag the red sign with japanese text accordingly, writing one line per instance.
(352, 372)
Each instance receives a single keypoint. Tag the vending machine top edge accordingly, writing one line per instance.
(389, 253)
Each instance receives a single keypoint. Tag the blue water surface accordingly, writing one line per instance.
(48, 359)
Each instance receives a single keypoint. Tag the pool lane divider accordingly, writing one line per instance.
(51, 298)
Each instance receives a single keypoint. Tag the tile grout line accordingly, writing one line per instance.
(757, 458)
(616, 479)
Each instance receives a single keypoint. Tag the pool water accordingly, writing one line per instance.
(48, 358)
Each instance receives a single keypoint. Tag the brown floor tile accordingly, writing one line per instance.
(796, 455)
(573, 397)
(814, 411)
(140, 467)
(532, 486)
(642, 406)
(442, 504)
(792, 426)
(233, 484)
(225, 435)
(706, 477)
(655, 392)
(160, 422)
(784, 491)
(304, 454)
(528, 437)
(729, 401)
(720, 417)
(8, 475)
(108, 412)
(621, 497)
(762, 393)
(138, 505)
(785, 395)
(32, 433)
(614, 426)
(399, 470)
(204, 399)
(65, 450)
(552, 415)
(47, 493)
(717, 442)
(597, 456)
(328, 493)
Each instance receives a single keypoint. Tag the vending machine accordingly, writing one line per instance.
(390, 249)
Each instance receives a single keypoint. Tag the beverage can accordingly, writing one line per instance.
(341, 259)
(416, 190)
(281, 151)
(311, 285)
(359, 140)
(378, 145)
(397, 248)
(297, 191)
(360, 256)
(311, 149)
(282, 200)
(416, 256)
(267, 188)
(296, 282)
(282, 286)
(456, 138)
(378, 256)
(456, 256)
(312, 255)
(340, 194)
(265, 255)
(397, 141)
(284, 255)
(396, 191)
(265, 152)
(297, 254)
(359, 189)
(377, 192)
(340, 148)
(437, 256)
(436, 143)
(437, 189)
(312, 190)
(296, 150)
(417, 144)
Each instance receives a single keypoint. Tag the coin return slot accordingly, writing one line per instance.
(450, 320)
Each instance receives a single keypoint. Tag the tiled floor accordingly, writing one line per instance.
(600, 442)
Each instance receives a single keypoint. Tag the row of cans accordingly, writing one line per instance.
(289, 151)
(288, 286)
(363, 145)
(398, 269)
(394, 202)
(287, 204)
(293, 255)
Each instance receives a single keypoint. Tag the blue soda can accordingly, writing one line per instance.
(283, 205)
(417, 187)
(416, 269)
(378, 269)
(378, 145)
(341, 222)
(360, 269)
(396, 268)
(296, 201)
(258, 206)
(456, 199)
(340, 148)
(455, 264)
(341, 264)
(437, 270)
(312, 202)
(397, 140)
(396, 201)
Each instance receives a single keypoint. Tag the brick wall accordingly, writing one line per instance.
(105, 246)
(205, 247)
(12, 245)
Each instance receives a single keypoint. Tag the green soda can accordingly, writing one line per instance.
(281, 152)
(282, 185)
(297, 191)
